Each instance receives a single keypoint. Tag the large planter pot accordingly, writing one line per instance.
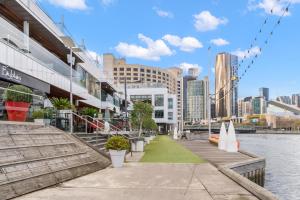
(42, 121)
(117, 158)
(137, 146)
(17, 111)
(148, 139)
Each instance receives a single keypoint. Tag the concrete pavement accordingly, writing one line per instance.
(140, 181)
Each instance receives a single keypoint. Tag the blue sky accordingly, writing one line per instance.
(170, 33)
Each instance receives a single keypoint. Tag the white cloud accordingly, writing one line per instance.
(186, 66)
(107, 2)
(187, 44)
(72, 5)
(163, 13)
(247, 53)
(219, 42)
(95, 56)
(272, 7)
(153, 50)
(205, 21)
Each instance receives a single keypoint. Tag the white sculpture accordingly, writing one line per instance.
(106, 126)
(175, 135)
(231, 139)
(222, 138)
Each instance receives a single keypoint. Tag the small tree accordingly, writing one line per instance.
(149, 124)
(141, 112)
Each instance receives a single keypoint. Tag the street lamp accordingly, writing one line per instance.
(69, 43)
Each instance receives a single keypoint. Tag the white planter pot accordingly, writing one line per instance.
(152, 137)
(117, 158)
(133, 146)
(147, 140)
(42, 121)
(139, 146)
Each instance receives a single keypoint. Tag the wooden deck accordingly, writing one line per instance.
(212, 154)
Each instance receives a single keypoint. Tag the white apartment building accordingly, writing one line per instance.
(164, 104)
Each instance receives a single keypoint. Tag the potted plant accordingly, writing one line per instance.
(137, 145)
(117, 146)
(17, 102)
(63, 106)
(92, 113)
(42, 116)
(147, 138)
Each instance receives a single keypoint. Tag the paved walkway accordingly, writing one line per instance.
(212, 154)
(139, 181)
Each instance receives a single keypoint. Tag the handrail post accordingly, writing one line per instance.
(86, 126)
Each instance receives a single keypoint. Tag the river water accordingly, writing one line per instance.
(282, 153)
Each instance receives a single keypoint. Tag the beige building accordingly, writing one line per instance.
(225, 85)
(170, 78)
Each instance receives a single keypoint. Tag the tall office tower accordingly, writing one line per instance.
(186, 79)
(284, 99)
(296, 100)
(197, 96)
(259, 105)
(194, 72)
(226, 89)
(264, 92)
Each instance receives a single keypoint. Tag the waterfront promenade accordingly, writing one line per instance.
(149, 181)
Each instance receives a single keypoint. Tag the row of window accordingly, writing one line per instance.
(141, 70)
(159, 114)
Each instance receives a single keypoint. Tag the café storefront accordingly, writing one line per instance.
(10, 76)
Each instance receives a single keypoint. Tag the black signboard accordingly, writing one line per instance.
(11, 75)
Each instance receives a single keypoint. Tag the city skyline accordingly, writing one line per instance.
(106, 28)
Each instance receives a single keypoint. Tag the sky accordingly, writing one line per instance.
(167, 33)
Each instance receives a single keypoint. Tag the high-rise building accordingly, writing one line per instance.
(226, 89)
(197, 96)
(264, 92)
(186, 79)
(284, 99)
(296, 100)
(259, 105)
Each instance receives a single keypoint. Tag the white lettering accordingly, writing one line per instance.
(11, 74)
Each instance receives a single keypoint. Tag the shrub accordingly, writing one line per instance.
(61, 103)
(38, 114)
(92, 112)
(117, 143)
(18, 93)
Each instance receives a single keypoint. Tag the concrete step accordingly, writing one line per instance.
(34, 157)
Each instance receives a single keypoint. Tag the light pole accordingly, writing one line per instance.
(70, 44)
(209, 100)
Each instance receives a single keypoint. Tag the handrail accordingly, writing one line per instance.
(87, 121)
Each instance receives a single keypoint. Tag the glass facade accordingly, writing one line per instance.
(159, 100)
(170, 103)
(158, 114)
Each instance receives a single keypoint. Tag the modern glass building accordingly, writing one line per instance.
(226, 89)
(264, 92)
(197, 94)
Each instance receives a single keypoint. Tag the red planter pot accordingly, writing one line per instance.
(17, 111)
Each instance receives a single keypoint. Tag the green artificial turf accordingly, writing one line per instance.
(165, 150)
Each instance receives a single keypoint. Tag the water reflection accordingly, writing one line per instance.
(283, 161)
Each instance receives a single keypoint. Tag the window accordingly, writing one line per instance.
(170, 116)
(135, 69)
(142, 69)
(142, 74)
(159, 114)
(128, 69)
(170, 103)
(135, 78)
(122, 69)
(128, 74)
(115, 69)
(159, 100)
(121, 74)
(128, 78)
(115, 74)
(154, 71)
(159, 72)
(148, 71)
(135, 74)
(154, 76)
(148, 79)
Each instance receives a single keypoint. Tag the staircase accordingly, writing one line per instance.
(97, 140)
(33, 157)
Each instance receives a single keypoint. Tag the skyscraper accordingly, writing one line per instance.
(186, 79)
(296, 100)
(197, 96)
(226, 89)
(264, 92)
